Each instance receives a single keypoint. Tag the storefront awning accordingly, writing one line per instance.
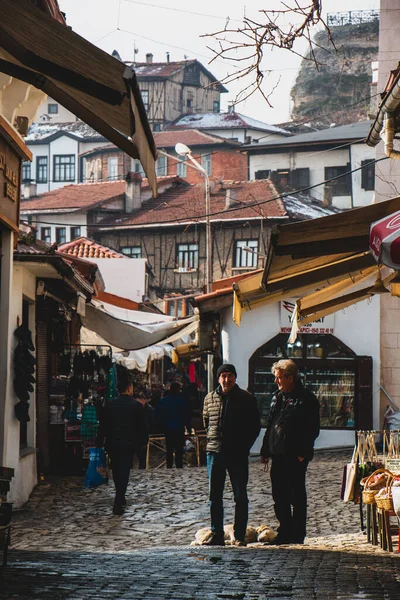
(329, 255)
(99, 89)
(133, 330)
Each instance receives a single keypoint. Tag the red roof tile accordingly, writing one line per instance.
(192, 137)
(186, 203)
(85, 248)
(161, 69)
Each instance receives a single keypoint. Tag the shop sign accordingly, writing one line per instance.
(321, 326)
(11, 152)
(393, 465)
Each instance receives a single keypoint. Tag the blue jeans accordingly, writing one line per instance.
(238, 470)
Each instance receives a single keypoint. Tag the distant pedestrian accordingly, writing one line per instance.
(173, 414)
(122, 430)
(141, 452)
(232, 422)
(292, 428)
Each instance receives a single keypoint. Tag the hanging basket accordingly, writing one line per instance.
(386, 502)
(368, 495)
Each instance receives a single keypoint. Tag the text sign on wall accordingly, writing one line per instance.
(10, 166)
(322, 325)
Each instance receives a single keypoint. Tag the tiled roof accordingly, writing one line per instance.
(168, 139)
(186, 203)
(39, 132)
(162, 69)
(85, 195)
(85, 248)
(223, 120)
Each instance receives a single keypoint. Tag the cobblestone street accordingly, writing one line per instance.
(67, 544)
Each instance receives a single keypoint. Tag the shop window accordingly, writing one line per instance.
(26, 172)
(61, 235)
(187, 257)
(342, 185)
(327, 368)
(368, 175)
(132, 251)
(75, 233)
(64, 167)
(45, 234)
(52, 109)
(41, 169)
(246, 258)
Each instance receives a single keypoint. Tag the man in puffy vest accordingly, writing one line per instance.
(292, 428)
(232, 422)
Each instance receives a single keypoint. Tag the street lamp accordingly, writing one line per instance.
(183, 150)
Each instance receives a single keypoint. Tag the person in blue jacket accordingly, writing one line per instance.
(173, 414)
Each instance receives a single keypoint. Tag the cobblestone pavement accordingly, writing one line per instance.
(66, 544)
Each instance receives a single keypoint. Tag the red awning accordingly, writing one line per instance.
(384, 240)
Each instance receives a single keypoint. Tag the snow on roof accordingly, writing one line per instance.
(41, 131)
(226, 120)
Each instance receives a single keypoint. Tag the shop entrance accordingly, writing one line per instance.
(341, 380)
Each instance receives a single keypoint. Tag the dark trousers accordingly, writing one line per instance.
(141, 456)
(238, 470)
(175, 441)
(288, 479)
(121, 463)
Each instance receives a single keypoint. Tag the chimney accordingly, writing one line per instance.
(29, 191)
(133, 189)
(149, 58)
(327, 199)
(230, 198)
(231, 109)
(167, 57)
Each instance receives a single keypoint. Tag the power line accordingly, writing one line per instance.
(224, 211)
(188, 12)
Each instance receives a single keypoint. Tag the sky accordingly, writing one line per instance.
(177, 27)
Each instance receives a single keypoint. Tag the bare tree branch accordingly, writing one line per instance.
(246, 44)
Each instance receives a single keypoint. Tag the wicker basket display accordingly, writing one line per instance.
(368, 495)
(386, 502)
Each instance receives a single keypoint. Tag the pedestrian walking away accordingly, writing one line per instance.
(232, 423)
(173, 414)
(292, 428)
(122, 430)
(141, 452)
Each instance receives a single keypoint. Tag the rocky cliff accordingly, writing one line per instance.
(339, 92)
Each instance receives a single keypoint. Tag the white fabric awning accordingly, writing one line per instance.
(134, 330)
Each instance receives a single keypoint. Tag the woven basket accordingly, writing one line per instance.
(386, 503)
(368, 496)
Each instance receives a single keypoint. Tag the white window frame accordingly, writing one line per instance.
(112, 167)
(243, 259)
(187, 257)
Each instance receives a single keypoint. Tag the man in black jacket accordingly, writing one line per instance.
(292, 427)
(232, 422)
(123, 430)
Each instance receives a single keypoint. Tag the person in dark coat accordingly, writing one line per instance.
(141, 452)
(173, 414)
(232, 423)
(122, 430)
(292, 428)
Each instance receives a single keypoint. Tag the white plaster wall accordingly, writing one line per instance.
(316, 161)
(40, 150)
(240, 134)
(63, 115)
(262, 323)
(67, 220)
(63, 145)
(360, 152)
(24, 463)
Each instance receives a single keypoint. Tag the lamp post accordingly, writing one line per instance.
(183, 150)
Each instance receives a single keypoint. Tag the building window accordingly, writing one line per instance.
(181, 167)
(26, 172)
(342, 185)
(136, 167)
(206, 163)
(216, 106)
(113, 167)
(157, 127)
(52, 109)
(368, 174)
(299, 179)
(177, 307)
(75, 233)
(41, 169)
(161, 166)
(61, 235)
(187, 257)
(243, 258)
(132, 251)
(263, 174)
(145, 98)
(45, 234)
(64, 167)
